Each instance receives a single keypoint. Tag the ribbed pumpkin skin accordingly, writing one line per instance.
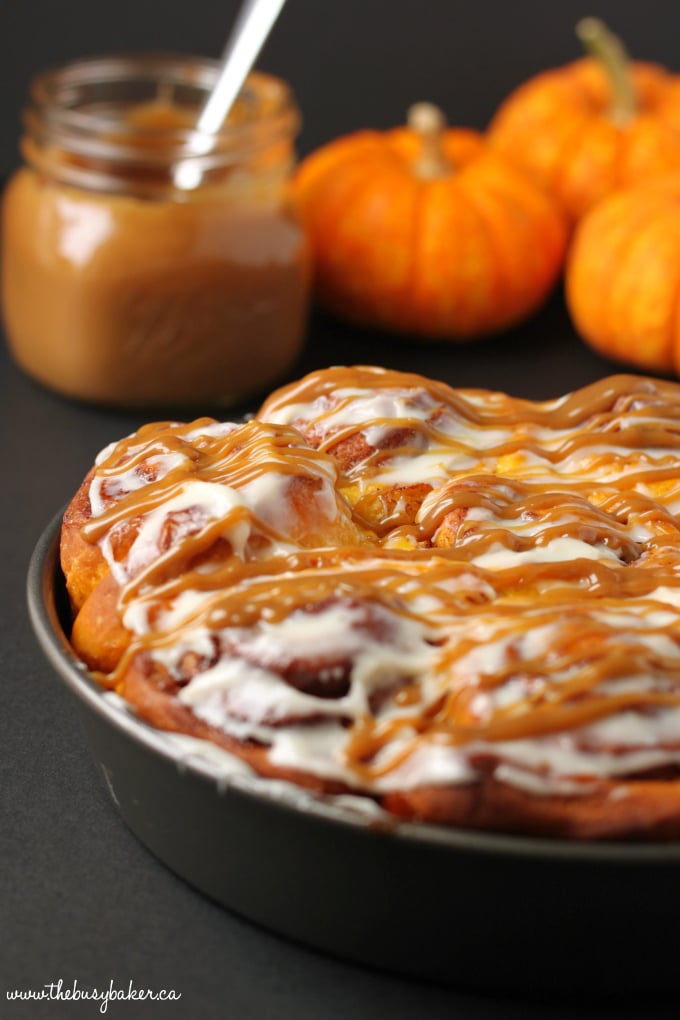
(455, 257)
(558, 129)
(622, 279)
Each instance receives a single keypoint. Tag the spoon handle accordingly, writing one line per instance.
(250, 31)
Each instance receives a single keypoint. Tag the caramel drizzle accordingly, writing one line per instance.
(235, 459)
(548, 707)
(607, 421)
(596, 403)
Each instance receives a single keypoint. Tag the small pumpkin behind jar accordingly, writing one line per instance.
(622, 278)
(422, 230)
(596, 124)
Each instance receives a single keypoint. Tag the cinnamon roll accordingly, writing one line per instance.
(460, 605)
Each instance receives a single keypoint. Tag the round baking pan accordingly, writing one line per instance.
(472, 910)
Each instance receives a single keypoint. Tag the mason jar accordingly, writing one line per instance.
(121, 284)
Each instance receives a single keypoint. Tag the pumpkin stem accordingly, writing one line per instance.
(608, 49)
(429, 123)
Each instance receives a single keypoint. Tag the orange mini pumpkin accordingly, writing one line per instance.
(422, 230)
(622, 279)
(597, 124)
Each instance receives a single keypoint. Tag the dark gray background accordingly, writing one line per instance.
(352, 63)
(79, 897)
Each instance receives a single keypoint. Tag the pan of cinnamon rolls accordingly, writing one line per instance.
(392, 649)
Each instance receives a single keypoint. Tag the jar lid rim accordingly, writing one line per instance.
(53, 93)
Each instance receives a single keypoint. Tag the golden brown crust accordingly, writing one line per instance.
(641, 810)
(98, 635)
(82, 562)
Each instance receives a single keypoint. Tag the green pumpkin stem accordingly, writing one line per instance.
(608, 49)
(429, 122)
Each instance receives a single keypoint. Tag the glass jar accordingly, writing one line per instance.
(120, 286)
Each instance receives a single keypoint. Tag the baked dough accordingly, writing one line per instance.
(461, 605)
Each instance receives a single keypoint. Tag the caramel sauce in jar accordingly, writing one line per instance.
(118, 286)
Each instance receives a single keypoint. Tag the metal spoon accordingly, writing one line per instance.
(250, 31)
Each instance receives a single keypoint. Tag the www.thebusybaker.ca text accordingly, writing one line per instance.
(59, 990)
